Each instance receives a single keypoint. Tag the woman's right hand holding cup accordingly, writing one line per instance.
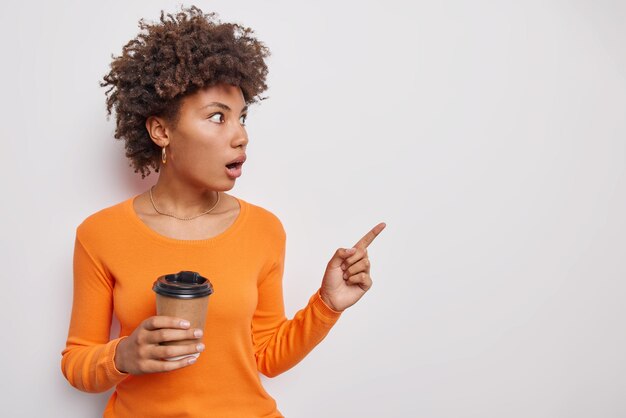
(141, 352)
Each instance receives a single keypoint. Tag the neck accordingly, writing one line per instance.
(182, 198)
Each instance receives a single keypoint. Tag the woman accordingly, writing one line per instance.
(181, 91)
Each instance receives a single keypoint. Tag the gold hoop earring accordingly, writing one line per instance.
(163, 155)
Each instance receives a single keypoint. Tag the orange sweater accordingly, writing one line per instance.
(117, 258)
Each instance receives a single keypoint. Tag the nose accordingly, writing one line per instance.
(240, 136)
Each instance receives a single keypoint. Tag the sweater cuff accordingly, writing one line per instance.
(326, 311)
(113, 373)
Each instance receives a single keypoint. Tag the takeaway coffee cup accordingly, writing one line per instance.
(183, 295)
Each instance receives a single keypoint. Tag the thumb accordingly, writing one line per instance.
(340, 255)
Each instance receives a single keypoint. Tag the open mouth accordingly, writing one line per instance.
(233, 170)
(232, 166)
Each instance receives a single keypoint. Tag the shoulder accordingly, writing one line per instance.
(263, 220)
(104, 221)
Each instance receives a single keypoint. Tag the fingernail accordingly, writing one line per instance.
(345, 276)
(191, 360)
(197, 333)
(200, 347)
(351, 250)
(184, 324)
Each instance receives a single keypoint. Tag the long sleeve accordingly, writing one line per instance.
(117, 257)
(280, 343)
(88, 358)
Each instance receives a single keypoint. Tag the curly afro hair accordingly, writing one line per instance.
(170, 60)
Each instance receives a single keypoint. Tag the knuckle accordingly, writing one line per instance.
(169, 351)
(142, 351)
(161, 334)
(367, 262)
(143, 367)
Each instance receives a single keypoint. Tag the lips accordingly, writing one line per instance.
(237, 161)
(233, 169)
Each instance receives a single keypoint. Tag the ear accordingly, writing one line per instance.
(157, 130)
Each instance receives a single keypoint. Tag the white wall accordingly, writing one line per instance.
(490, 136)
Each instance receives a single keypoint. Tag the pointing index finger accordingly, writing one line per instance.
(369, 237)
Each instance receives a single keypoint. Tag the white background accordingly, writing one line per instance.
(489, 135)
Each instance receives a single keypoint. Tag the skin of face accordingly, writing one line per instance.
(210, 133)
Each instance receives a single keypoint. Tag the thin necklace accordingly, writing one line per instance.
(182, 219)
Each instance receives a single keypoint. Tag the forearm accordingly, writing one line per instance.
(293, 339)
(91, 368)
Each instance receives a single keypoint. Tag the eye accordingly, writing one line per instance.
(217, 117)
(242, 120)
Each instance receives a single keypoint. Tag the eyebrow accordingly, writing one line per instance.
(222, 106)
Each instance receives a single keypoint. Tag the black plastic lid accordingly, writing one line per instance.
(183, 285)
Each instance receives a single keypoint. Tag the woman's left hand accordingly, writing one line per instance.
(347, 275)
